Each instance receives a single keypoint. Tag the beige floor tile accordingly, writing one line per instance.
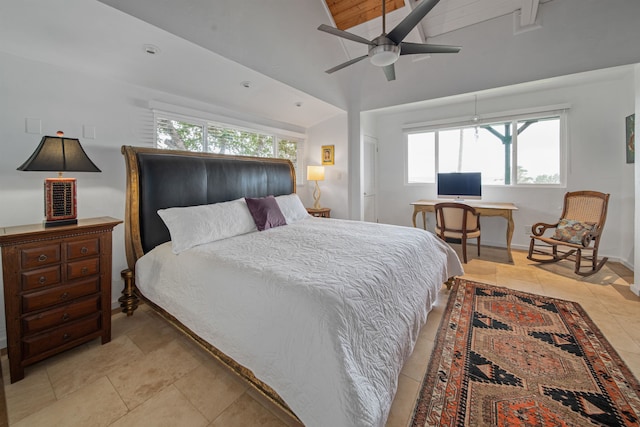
(404, 402)
(246, 411)
(196, 350)
(621, 307)
(167, 408)
(522, 285)
(121, 324)
(28, 395)
(480, 270)
(632, 360)
(415, 367)
(593, 306)
(569, 292)
(69, 374)
(615, 334)
(138, 380)
(630, 324)
(617, 291)
(211, 388)
(152, 333)
(288, 419)
(430, 328)
(97, 404)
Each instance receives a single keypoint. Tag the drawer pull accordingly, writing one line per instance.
(84, 250)
(42, 280)
(64, 295)
(65, 317)
(84, 270)
(66, 337)
(42, 258)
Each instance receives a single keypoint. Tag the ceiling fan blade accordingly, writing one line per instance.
(411, 20)
(390, 72)
(344, 34)
(345, 64)
(414, 48)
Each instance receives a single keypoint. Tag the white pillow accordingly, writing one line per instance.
(196, 225)
(292, 208)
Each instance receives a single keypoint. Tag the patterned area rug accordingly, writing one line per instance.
(508, 358)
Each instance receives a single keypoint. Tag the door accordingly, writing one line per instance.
(369, 186)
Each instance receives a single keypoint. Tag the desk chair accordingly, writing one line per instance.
(458, 221)
(578, 230)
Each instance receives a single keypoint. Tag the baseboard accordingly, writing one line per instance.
(635, 288)
(600, 255)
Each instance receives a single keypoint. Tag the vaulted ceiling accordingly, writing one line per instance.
(503, 42)
(208, 48)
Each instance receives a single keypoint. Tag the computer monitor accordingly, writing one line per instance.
(460, 185)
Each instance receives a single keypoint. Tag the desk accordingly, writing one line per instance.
(504, 210)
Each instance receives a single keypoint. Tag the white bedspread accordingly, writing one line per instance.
(325, 311)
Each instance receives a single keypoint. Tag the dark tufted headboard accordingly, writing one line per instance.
(159, 179)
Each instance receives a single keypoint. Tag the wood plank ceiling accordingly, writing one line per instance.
(349, 13)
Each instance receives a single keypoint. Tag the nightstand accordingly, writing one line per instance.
(321, 212)
(57, 288)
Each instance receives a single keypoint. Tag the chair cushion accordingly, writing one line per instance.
(456, 235)
(572, 231)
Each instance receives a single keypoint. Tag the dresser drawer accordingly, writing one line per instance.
(84, 248)
(58, 316)
(40, 278)
(37, 344)
(83, 268)
(58, 295)
(37, 257)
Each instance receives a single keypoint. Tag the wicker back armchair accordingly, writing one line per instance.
(458, 221)
(576, 234)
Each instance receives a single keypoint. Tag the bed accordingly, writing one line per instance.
(318, 314)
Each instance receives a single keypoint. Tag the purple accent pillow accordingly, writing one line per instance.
(265, 212)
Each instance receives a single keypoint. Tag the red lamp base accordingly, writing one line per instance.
(60, 202)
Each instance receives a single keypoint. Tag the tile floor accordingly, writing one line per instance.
(151, 375)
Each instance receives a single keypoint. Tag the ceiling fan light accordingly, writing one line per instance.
(384, 54)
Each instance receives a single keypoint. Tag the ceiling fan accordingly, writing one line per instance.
(385, 49)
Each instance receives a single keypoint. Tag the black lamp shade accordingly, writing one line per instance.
(59, 154)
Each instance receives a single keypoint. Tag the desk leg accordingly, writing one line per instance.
(424, 218)
(510, 228)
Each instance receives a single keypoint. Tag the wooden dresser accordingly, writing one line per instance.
(57, 288)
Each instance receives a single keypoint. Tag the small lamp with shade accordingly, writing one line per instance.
(59, 154)
(315, 173)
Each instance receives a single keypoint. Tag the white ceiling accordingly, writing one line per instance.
(279, 38)
(208, 47)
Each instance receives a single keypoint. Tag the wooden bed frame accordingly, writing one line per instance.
(158, 179)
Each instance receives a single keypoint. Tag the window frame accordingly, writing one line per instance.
(560, 111)
(204, 121)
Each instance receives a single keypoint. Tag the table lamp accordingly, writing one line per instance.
(59, 154)
(315, 173)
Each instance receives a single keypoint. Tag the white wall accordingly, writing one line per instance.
(61, 99)
(599, 101)
(635, 287)
(333, 189)
(67, 101)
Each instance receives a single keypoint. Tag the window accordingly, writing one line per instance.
(181, 133)
(522, 151)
